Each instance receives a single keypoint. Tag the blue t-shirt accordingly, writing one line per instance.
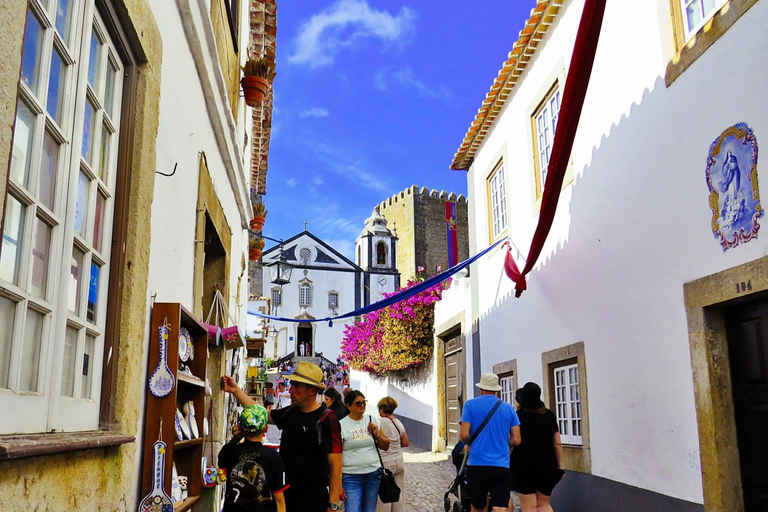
(491, 447)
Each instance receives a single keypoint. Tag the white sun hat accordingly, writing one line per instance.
(489, 382)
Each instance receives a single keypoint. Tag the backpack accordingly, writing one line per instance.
(319, 426)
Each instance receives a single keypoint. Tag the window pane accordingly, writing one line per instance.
(30, 61)
(85, 383)
(30, 354)
(88, 121)
(22, 144)
(62, 18)
(104, 153)
(48, 171)
(93, 63)
(98, 222)
(40, 257)
(7, 311)
(56, 86)
(693, 14)
(93, 293)
(81, 205)
(10, 256)
(68, 376)
(75, 276)
(109, 89)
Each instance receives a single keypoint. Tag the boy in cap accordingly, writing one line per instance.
(255, 475)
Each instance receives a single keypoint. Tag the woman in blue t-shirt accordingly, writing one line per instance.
(360, 463)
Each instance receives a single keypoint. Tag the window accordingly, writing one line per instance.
(277, 296)
(545, 122)
(305, 295)
(508, 389)
(568, 403)
(696, 13)
(381, 253)
(305, 255)
(497, 202)
(54, 263)
(333, 300)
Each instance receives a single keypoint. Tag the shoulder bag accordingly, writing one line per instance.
(389, 492)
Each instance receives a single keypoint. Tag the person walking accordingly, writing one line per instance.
(360, 435)
(393, 457)
(310, 444)
(335, 402)
(268, 395)
(490, 427)
(283, 396)
(255, 474)
(535, 463)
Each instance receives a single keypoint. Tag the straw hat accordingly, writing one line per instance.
(489, 382)
(307, 373)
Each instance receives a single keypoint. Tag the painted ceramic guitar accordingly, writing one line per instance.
(161, 381)
(157, 500)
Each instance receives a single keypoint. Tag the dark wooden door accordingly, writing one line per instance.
(747, 327)
(454, 378)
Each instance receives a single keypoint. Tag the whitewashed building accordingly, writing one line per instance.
(324, 284)
(643, 321)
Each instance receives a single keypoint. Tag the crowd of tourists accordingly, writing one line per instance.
(332, 456)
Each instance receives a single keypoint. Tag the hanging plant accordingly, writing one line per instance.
(255, 248)
(395, 338)
(258, 74)
(259, 217)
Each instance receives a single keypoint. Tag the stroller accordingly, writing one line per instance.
(459, 486)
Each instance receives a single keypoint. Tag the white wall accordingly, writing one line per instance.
(630, 230)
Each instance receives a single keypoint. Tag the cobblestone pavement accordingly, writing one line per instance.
(428, 475)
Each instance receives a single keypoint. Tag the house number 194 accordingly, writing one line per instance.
(743, 287)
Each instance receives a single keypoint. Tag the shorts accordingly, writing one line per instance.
(533, 480)
(484, 480)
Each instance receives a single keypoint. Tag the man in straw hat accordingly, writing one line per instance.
(490, 427)
(310, 444)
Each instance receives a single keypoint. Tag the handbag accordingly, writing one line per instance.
(389, 492)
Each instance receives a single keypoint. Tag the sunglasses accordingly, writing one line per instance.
(360, 403)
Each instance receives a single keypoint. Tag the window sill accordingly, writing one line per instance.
(706, 37)
(20, 446)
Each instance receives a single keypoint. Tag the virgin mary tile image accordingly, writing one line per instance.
(733, 192)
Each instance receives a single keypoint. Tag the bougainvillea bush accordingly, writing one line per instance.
(395, 338)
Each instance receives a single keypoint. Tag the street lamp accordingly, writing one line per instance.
(280, 270)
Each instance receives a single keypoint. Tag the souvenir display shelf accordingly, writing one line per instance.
(187, 454)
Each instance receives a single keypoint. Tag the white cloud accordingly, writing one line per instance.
(314, 112)
(345, 247)
(291, 182)
(346, 165)
(345, 23)
(406, 79)
(318, 180)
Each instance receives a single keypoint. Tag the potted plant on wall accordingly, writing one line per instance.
(259, 217)
(255, 248)
(258, 74)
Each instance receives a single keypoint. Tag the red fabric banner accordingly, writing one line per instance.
(570, 112)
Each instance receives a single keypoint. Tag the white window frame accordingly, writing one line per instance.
(568, 403)
(705, 15)
(45, 409)
(305, 295)
(497, 202)
(277, 292)
(305, 260)
(507, 384)
(545, 124)
(331, 305)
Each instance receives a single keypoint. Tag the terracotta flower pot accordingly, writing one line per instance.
(257, 223)
(254, 88)
(254, 254)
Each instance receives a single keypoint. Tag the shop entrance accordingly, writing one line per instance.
(747, 332)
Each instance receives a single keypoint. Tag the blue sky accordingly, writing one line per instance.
(372, 96)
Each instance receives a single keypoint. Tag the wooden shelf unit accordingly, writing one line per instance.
(186, 454)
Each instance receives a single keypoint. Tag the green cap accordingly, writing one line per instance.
(253, 419)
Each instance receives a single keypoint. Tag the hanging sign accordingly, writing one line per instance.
(157, 500)
(734, 197)
(161, 381)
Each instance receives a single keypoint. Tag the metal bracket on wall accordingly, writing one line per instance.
(169, 175)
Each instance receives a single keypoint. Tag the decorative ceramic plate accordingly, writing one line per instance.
(183, 424)
(185, 341)
(177, 425)
(190, 349)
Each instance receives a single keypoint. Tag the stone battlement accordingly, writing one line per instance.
(423, 193)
